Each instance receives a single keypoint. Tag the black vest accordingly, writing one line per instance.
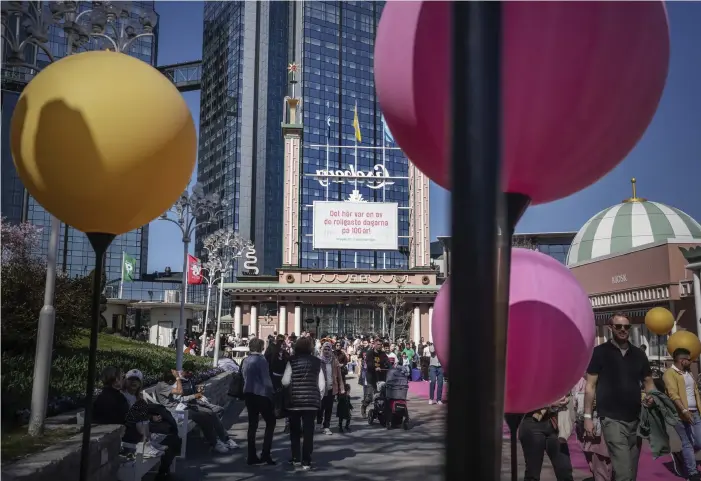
(304, 387)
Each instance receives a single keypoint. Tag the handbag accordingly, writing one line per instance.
(565, 422)
(236, 386)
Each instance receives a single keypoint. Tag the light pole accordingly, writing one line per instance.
(28, 24)
(228, 246)
(217, 266)
(187, 213)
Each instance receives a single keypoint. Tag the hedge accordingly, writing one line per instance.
(69, 368)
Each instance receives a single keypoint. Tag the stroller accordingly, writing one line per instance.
(389, 405)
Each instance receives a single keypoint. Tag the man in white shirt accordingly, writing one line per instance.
(683, 391)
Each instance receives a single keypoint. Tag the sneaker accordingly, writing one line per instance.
(327, 431)
(430, 402)
(348, 429)
(231, 444)
(306, 467)
(254, 461)
(294, 462)
(363, 411)
(269, 461)
(220, 448)
(159, 446)
(439, 402)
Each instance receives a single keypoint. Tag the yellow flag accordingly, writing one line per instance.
(356, 124)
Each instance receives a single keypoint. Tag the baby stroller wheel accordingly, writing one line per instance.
(371, 416)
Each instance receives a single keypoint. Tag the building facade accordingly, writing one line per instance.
(75, 256)
(245, 53)
(634, 256)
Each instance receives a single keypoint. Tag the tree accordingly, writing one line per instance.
(399, 316)
(523, 242)
(23, 274)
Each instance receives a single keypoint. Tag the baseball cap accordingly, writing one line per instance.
(135, 373)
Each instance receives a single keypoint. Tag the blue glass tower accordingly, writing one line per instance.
(75, 256)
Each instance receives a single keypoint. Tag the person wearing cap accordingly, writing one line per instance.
(185, 391)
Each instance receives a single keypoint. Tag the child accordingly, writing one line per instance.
(343, 409)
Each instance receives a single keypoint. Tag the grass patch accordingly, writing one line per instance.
(17, 444)
(69, 369)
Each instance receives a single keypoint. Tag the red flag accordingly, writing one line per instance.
(194, 270)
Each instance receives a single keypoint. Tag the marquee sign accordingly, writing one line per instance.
(374, 179)
(251, 262)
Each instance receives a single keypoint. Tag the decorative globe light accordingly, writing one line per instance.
(659, 320)
(684, 340)
(103, 141)
(581, 81)
(551, 331)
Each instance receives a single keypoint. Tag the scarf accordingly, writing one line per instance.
(326, 358)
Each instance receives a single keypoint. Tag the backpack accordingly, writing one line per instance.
(236, 386)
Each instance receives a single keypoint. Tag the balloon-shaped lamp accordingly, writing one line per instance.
(580, 83)
(105, 143)
(684, 340)
(551, 331)
(659, 320)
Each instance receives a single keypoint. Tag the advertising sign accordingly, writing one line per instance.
(356, 225)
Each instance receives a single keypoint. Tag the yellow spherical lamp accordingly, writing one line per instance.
(659, 320)
(684, 340)
(103, 141)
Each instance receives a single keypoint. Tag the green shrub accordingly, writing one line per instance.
(70, 365)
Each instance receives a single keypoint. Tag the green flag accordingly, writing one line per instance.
(128, 268)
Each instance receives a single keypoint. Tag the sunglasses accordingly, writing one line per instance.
(621, 327)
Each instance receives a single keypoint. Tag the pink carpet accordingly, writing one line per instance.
(648, 468)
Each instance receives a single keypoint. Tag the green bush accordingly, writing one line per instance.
(70, 365)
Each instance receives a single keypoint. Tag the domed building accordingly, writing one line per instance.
(634, 256)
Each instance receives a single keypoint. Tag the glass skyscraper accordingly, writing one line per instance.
(337, 44)
(244, 60)
(246, 50)
(75, 255)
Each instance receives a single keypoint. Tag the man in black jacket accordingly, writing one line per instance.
(377, 364)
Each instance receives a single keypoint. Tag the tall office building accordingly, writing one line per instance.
(245, 54)
(75, 255)
(246, 50)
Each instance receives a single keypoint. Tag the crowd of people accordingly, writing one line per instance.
(313, 373)
(616, 405)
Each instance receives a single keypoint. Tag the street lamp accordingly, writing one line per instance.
(228, 246)
(27, 24)
(189, 212)
(217, 266)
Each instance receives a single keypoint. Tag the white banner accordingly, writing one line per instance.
(356, 225)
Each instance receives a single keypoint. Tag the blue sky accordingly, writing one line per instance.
(666, 162)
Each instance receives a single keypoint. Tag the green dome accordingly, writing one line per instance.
(634, 223)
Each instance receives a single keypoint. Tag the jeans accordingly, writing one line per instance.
(324, 413)
(623, 444)
(306, 431)
(435, 373)
(690, 434)
(260, 406)
(538, 438)
(368, 395)
(171, 440)
(209, 423)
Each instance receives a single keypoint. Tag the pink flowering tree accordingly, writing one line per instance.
(23, 277)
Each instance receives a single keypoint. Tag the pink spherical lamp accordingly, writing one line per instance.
(551, 331)
(581, 81)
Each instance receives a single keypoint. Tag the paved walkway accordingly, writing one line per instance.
(368, 453)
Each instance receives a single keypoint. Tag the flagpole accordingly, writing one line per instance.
(356, 128)
(328, 180)
(121, 280)
(384, 187)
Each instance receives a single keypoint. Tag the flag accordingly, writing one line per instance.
(128, 268)
(328, 129)
(385, 130)
(194, 270)
(356, 124)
